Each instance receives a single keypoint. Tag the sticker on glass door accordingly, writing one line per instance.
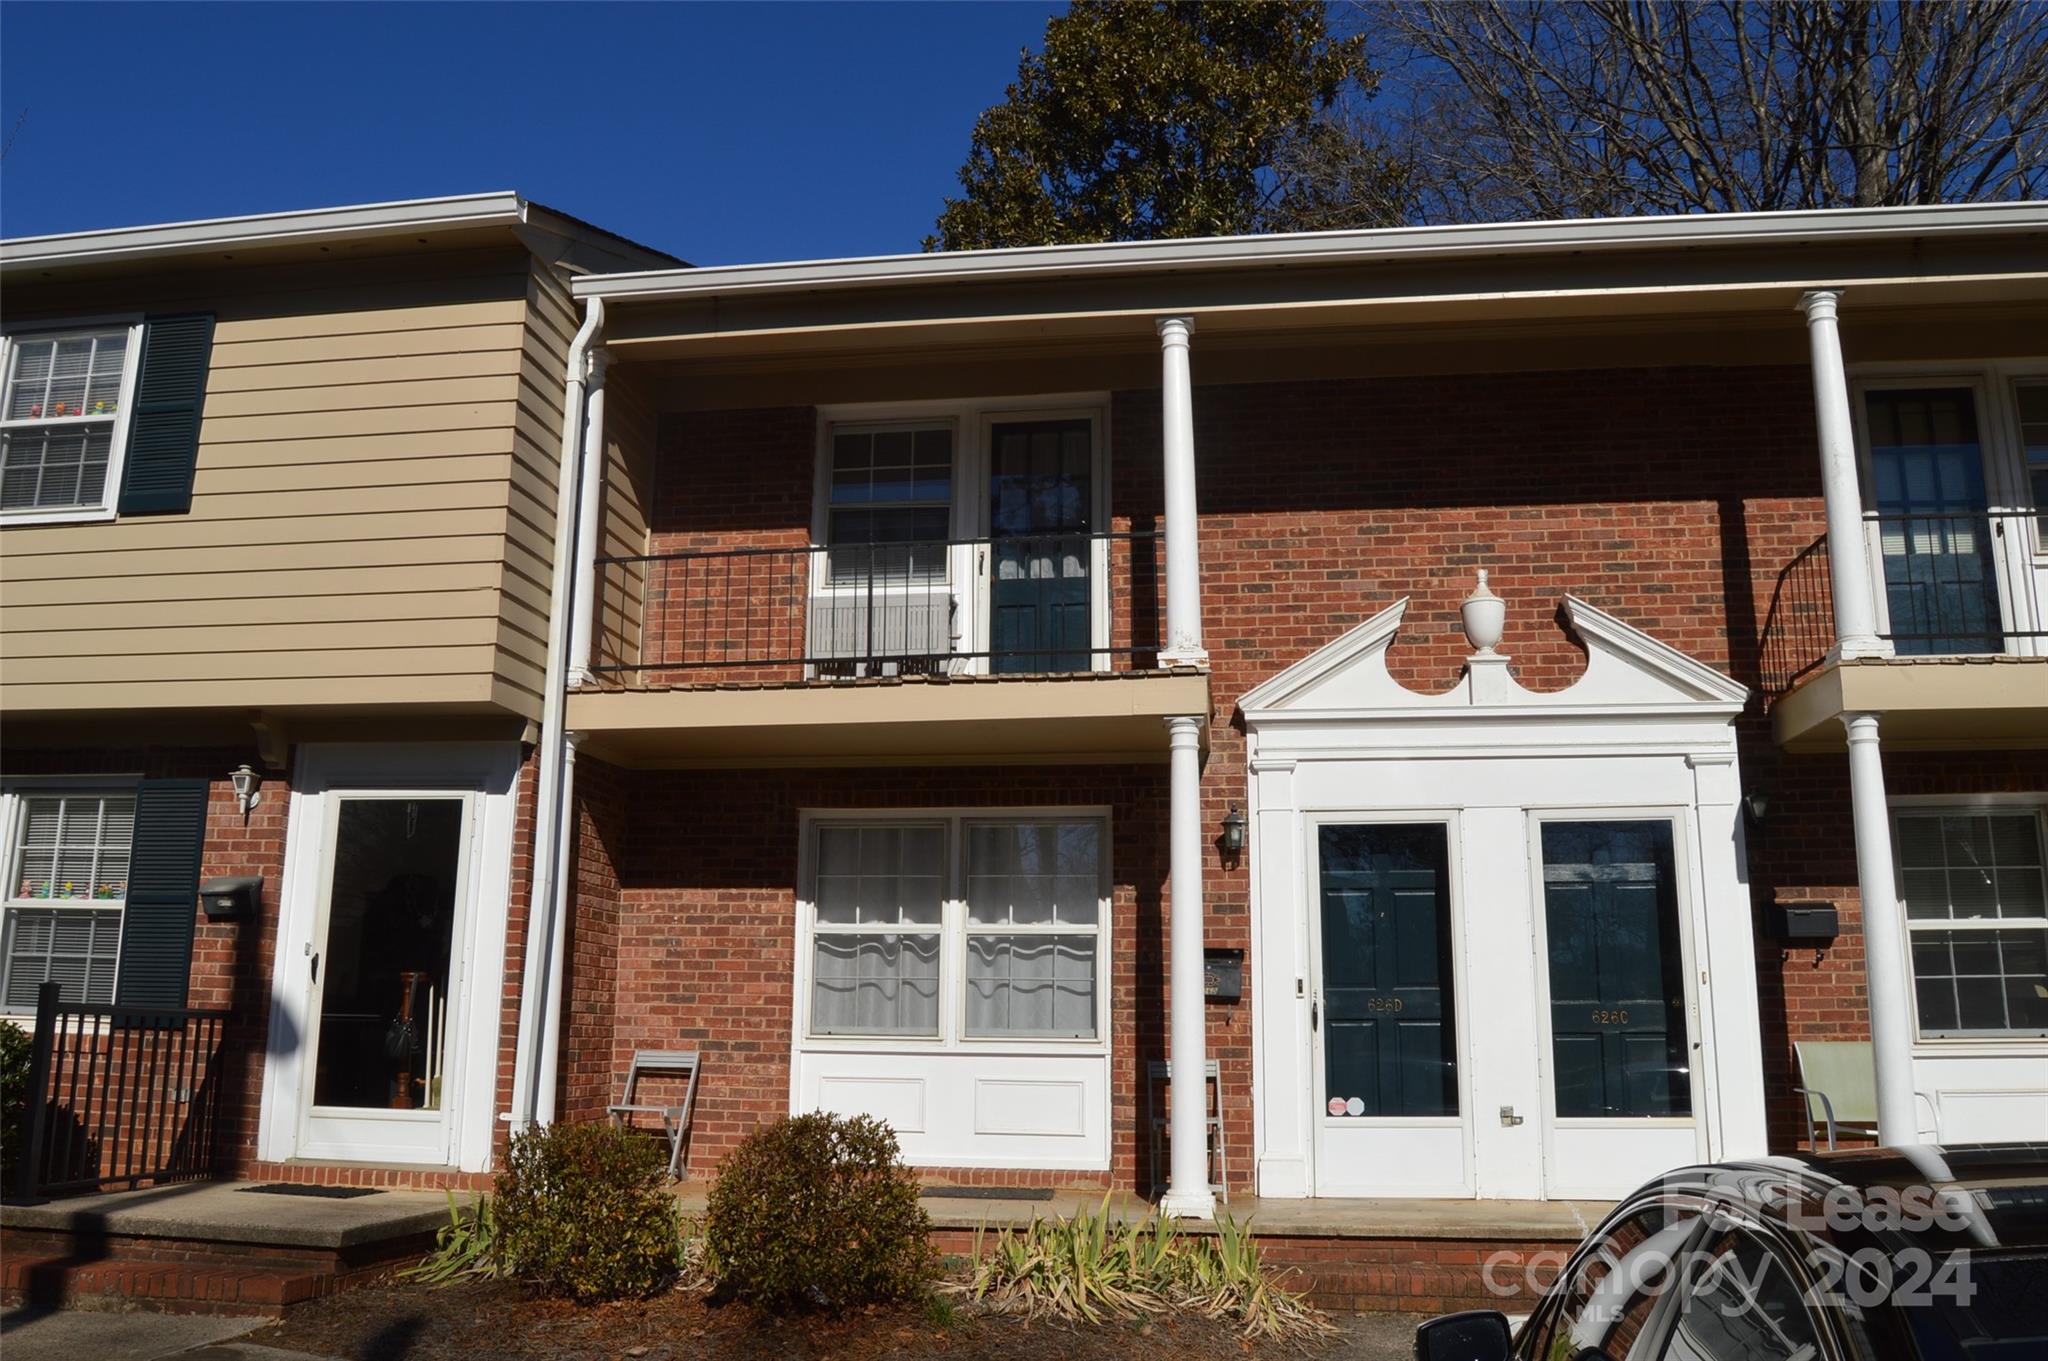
(1383, 1016)
(383, 972)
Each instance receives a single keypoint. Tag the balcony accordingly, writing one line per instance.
(1008, 647)
(1960, 599)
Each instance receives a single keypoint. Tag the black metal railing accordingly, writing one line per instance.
(1028, 603)
(118, 1096)
(1940, 588)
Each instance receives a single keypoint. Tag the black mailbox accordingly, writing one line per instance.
(232, 897)
(1223, 975)
(1803, 923)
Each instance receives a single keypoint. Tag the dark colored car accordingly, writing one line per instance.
(1888, 1254)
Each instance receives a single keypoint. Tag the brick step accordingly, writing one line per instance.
(178, 1278)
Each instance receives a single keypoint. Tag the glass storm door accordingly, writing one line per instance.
(382, 972)
(1620, 1045)
(1934, 536)
(1041, 498)
(1383, 1016)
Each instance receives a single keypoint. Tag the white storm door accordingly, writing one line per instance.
(383, 969)
(1618, 1006)
(1383, 1017)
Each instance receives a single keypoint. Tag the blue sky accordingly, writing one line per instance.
(721, 132)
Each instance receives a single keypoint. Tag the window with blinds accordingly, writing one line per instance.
(61, 417)
(955, 929)
(66, 885)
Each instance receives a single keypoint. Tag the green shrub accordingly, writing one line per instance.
(14, 1055)
(1093, 1265)
(817, 1211)
(467, 1245)
(584, 1211)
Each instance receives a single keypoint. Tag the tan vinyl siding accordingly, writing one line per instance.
(629, 469)
(371, 512)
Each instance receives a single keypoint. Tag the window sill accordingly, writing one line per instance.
(73, 516)
(2023, 1045)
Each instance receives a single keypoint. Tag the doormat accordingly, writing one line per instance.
(986, 1193)
(293, 1188)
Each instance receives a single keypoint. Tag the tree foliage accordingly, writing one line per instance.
(1585, 108)
(1169, 119)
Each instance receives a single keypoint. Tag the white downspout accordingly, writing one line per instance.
(589, 527)
(533, 1064)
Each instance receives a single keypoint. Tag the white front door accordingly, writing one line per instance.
(1387, 1100)
(381, 972)
(1617, 1015)
(390, 956)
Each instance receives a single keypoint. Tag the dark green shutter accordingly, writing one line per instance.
(163, 431)
(163, 893)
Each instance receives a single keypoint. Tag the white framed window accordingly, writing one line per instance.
(1974, 881)
(889, 503)
(66, 854)
(65, 399)
(953, 929)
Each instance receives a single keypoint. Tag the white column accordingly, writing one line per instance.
(1848, 565)
(589, 524)
(1187, 1189)
(1884, 937)
(1183, 559)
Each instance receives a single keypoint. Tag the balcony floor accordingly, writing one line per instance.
(1923, 703)
(1097, 716)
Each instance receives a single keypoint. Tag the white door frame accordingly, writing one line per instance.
(484, 774)
(1326, 1172)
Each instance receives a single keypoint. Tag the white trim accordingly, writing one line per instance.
(11, 812)
(1325, 248)
(485, 773)
(1645, 727)
(117, 443)
(503, 208)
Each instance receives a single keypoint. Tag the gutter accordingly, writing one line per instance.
(1038, 263)
(547, 920)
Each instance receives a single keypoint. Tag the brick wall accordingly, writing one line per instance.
(1672, 498)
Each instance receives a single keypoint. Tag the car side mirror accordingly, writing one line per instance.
(1475, 1335)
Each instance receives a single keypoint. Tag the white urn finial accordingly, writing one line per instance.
(1484, 614)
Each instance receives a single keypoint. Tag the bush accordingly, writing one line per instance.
(584, 1211)
(14, 1056)
(1093, 1265)
(817, 1211)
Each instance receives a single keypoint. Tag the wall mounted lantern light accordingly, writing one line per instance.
(1233, 832)
(246, 782)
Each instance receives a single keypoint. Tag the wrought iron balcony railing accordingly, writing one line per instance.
(1948, 588)
(1029, 604)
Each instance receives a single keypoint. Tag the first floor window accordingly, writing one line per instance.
(1976, 897)
(1004, 915)
(67, 879)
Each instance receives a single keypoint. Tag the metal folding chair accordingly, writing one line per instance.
(675, 1120)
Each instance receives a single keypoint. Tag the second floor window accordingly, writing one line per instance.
(63, 414)
(2033, 404)
(890, 504)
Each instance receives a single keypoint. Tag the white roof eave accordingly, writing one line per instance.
(1321, 248)
(504, 208)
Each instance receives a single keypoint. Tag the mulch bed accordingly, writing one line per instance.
(401, 1321)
